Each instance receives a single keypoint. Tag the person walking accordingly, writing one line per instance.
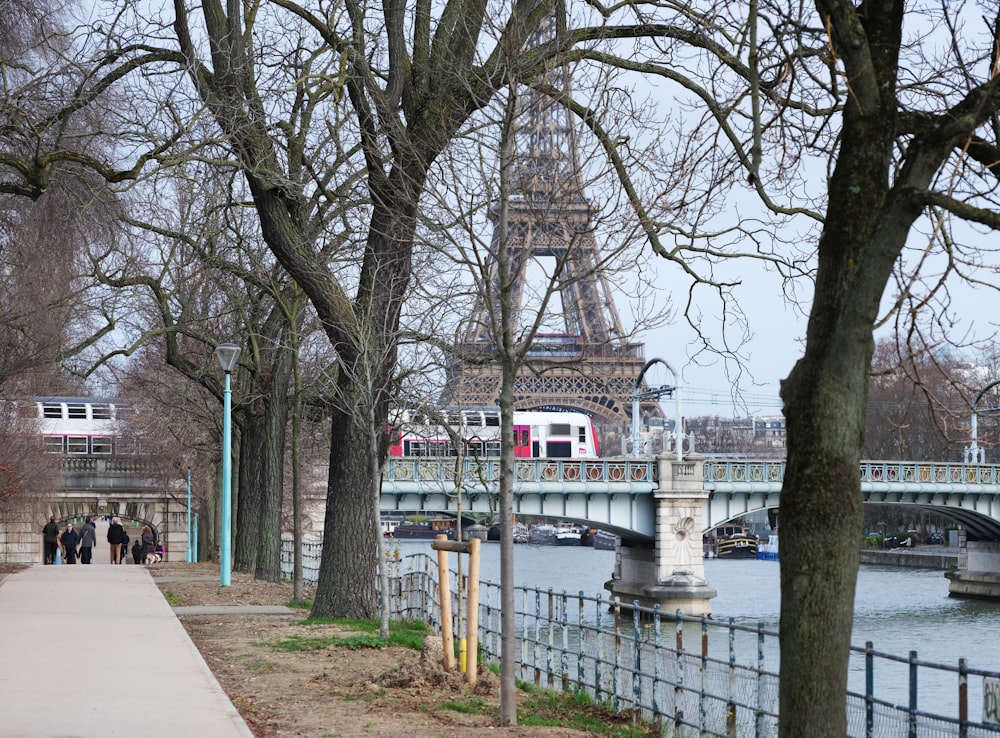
(69, 538)
(123, 557)
(50, 537)
(148, 545)
(115, 534)
(88, 539)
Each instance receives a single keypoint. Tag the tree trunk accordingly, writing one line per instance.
(821, 524)
(262, 457)
(826, 393)
(347, 575)
(249, 492)
(268, 565)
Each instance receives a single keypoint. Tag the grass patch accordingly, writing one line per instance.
(471, 706)
(260, 666)
(299, 605)
(406, 633)
(576, 709)
(172, 599)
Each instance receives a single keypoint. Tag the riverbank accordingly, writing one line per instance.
(921, 557)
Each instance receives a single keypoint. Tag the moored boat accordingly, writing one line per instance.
(520, 533)
(425, 529)
(733, 542)
(542, 534)
(475, 531)
(604, 541)
(569, 537)
(769, 551)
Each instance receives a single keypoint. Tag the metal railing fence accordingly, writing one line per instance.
(689, 676)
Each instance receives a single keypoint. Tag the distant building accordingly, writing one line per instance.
(750, 435)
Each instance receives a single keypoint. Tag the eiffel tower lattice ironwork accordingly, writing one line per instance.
(590, 366)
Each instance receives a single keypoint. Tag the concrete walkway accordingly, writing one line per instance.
(97, 651)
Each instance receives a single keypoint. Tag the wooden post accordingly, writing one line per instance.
(447, 636)
(472, 621)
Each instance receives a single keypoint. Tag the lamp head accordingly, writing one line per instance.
(228, 353)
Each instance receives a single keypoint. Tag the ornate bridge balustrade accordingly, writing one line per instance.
(735, 487)
(968, 493)
(615, 492)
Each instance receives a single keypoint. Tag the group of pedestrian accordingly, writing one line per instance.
(65, 546)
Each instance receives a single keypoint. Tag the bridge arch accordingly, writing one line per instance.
(155, 506)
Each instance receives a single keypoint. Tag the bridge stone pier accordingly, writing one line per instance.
(670, 571)
(978, 572)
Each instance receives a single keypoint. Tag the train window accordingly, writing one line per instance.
(493, 420)
(581, 434)
(559, 450)
(101, 445)
(414, 448)
(52, 410)
(442, 448)
(54, 444)
(493, 448)
(76, 412)
(76, 444)
(559, 429)
(101, 412)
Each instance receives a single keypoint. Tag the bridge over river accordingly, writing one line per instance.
(661, 507)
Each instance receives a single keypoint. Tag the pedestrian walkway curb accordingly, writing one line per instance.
(234, 610)
(98, 651)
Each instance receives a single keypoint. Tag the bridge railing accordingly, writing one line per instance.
(106, 464)
(770, 472)
(872, 472)
(445, 471)
(692, 676)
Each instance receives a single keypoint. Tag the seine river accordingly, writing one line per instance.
(898, 610)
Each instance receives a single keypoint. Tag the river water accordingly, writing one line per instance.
(899, 610)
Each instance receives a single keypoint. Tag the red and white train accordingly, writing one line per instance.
(537, 434)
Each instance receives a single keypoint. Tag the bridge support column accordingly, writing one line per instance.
(671, 573)
(978, 572)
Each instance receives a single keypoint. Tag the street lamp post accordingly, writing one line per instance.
(638, 393)
(189, 559)
(228, 353)
(974, 454)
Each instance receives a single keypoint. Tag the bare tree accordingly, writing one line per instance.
(862, 132)
(852, 87)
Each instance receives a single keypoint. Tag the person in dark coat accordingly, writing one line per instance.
(88, 539)
(137, 551)
(124, 554)
(69, 539)
(50, 537)
(116, 532)
(148, 545)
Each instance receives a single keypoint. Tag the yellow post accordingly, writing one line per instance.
(472, 621)
(447, 636)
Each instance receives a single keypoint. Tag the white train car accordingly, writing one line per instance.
(79, 425)
(537, 434)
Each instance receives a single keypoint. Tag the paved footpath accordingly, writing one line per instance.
(96, 651)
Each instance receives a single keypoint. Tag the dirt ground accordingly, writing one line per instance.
(332, 691)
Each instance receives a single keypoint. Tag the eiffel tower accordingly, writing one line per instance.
(589, 365)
